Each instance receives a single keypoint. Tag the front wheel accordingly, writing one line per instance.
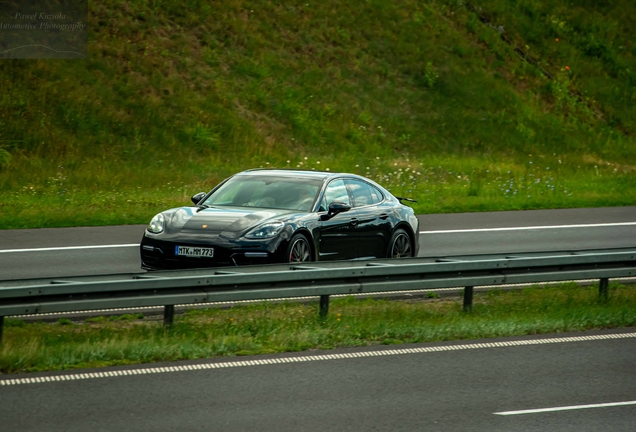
(298, 249)
(400, 245)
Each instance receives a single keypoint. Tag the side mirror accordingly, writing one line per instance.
(335, 208)
(198, 197)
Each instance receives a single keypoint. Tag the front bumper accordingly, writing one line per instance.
(160, 254)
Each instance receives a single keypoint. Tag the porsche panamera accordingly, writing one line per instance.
(275, 216)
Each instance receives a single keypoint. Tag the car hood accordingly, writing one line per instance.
(231, 221)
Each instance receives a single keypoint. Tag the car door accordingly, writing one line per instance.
(336, 232)
(372, 231)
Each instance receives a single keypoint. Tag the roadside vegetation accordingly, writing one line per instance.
(508, 105)
(290, 327)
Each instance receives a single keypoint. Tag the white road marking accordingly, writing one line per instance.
(530, 228)
(69, 248)
(565, 408)
(421, 232)
(311, 358)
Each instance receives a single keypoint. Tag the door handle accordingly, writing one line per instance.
(353, 221)
(384, 216)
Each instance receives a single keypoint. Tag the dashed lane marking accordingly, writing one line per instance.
(565, 408)
(538, 227)
(530, 228)
(308, 358)
(69, 248)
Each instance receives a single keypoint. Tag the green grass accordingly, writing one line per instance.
(288, 327)
(173, 98)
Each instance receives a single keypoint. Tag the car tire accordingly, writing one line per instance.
(400, 245)
(298, 250)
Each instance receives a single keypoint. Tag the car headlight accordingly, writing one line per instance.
(157, 224)
(267, 230)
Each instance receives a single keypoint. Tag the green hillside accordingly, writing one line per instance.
(508, 105)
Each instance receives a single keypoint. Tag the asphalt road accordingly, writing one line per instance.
(452, 386)
(466, 387)
(26, 254)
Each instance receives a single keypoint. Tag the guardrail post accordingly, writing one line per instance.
(468, 299)
(324, 306)
(1, 328)
(168, 315)
(603, 288)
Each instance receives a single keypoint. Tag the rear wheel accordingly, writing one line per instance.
(298, 249)
(400, 245)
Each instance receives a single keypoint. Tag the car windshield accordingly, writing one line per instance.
(290, 193)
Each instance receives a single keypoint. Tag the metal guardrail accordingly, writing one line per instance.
(167, 288)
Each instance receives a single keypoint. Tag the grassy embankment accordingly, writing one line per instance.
(271, 328)
(515, 106)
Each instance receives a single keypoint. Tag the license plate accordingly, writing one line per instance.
(194, 252)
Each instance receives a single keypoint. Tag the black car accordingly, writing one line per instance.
(278, 216)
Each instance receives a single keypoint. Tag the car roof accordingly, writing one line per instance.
(325, 176)
(289, 173)
(296, 173)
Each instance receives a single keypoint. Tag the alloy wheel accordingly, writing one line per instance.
(299, 252)
(401, 246)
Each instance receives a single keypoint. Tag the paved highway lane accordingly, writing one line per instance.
(440, 387)
(54, 252)
(527, 231)
(535, 239)
(60, 252)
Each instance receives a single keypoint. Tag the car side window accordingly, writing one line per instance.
(363, 193)
(376, 195)
(336, 191)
